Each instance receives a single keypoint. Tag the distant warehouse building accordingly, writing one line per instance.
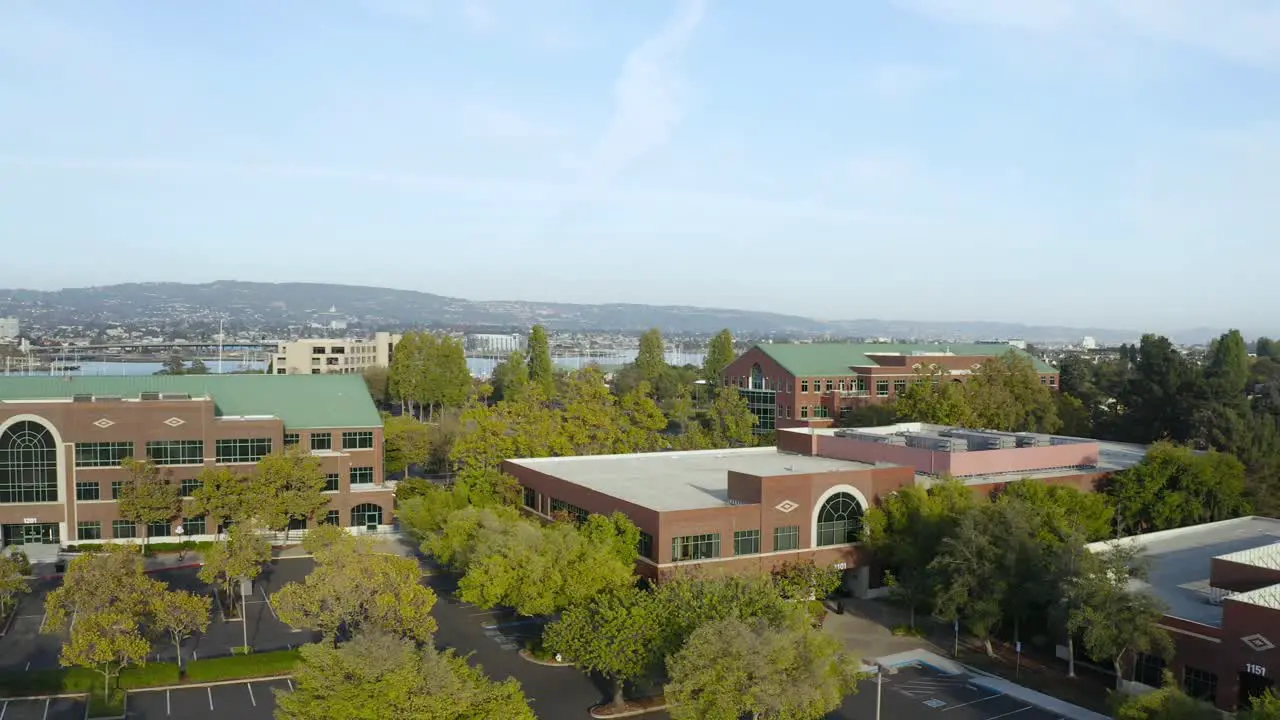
(813, 384)
(318, 356)
(761, 507)
(9, 328)
(1221, 584)
(62, 440)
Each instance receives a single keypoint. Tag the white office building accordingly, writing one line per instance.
(9, 328)
(318, 356)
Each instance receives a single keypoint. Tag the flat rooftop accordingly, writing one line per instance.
(666, 481)
(1180, 561)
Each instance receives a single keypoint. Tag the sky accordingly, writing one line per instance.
(1074, 162)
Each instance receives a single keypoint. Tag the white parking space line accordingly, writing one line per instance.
(210, 691)
(1011, 712)
(972, 702)
(286, 680)
(4, 709)
(46, 709)
(267, 600)
(249, 687)
(167, 709)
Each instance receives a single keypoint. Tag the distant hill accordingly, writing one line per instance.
(279, 304)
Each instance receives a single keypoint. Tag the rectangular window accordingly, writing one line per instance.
(530, 498)
(882, 388)
(788, 386)
(159, 529)
(247, 450)
(646, 545)
(830, 386)
(695, 547)
(786, 538)
(115, 489)
(291, 439)
(330, 518)
(746, 542)
(102, 454)
(1199, 683)
(804, 386)
(899, 387)
(123, 529)
(190, 486)
(573, 511)
(361, 476)
(1148, 669)
(1053, 381)
(321, 441)
(89, 530)
(88, 490)
(176, 452)
(840, 385)
(804, 411)
(357, 440)
(332, 482)
(193, 526)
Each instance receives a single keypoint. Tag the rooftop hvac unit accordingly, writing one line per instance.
(80, 397)
(150, 396)
(174, 396)
(931, 442)
(978, 440)
(1059, 440)
(1026, 440)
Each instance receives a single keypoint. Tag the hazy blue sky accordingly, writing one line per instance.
(1048, 161)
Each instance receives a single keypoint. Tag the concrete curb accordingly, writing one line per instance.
(528, 656)
(595, 711)
(211, 683)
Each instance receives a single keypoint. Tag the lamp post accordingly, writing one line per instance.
(880, 671)
(182, 549)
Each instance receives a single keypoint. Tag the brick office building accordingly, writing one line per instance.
(1221, 584)
(759, 507)
(62, 440)
(798, 384)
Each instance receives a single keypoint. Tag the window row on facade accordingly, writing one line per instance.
(363, 515)
(89, 490)
(1201, 684)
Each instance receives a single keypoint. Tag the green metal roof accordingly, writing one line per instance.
(811, 359)
(301, 401)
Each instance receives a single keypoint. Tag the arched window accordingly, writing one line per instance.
(366, 514)
(757, 377)
(840, 520)
(28, 464)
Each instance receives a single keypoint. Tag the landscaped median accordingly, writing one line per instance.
(82, 681)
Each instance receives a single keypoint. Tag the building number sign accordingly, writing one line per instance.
(1259, 670)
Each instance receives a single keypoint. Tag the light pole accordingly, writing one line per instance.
(880, 671)
(182, 549)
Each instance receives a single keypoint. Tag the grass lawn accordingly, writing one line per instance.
(83, 680)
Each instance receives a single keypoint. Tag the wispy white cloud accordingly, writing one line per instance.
(648, 102)
(1242, 30)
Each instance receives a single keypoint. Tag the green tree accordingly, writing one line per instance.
(1167, 703)
(1116, 619)
(906, 532)
(931, 398)
(804, 580)
(1267, 705)
(106, 641)
(149, 495)
(354, 587)
(651, 359)
(688, 601)
(404, 377)
(378, 380)
(173, 366)
(241, 556)
(111, 579)
(541, 371)
(178, 615)
(719, 355)
(731, 668)
(288, 485)
(729, 421)
(614, 633)
(223, 496)
(510, 377)
(376, 676)
(405, 442)
(197, 368)
(1005, 393)
(1160, 396)
(973, 569)
(446, 379)
(1226, 369)
(1057, 507)
(13, 583)
(1174, 487)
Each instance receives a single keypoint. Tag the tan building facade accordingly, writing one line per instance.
(62, 441)
(316, 356)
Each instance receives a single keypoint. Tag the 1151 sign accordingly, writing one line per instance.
(1259, 670)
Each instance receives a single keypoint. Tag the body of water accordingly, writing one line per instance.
(483, 366)
(135, 368)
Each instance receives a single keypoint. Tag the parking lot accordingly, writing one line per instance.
(241, 700)
(23, 647)
(50, 709)
(922, 693)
